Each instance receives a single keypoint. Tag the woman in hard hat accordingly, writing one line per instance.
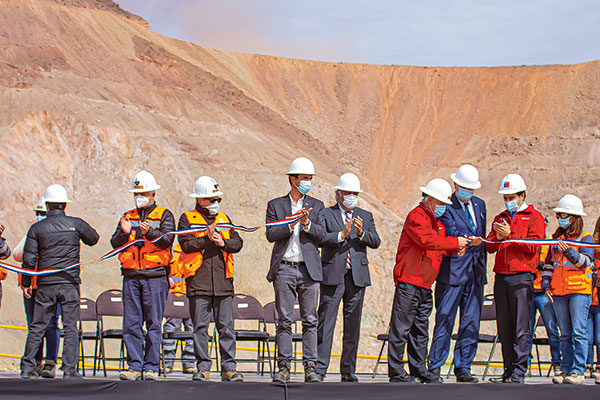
(46, 369)
(571, 285)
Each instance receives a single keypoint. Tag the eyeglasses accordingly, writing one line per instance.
(217, 199)
(562, 215)
(40, 213)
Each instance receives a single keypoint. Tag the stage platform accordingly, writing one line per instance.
(179, 387)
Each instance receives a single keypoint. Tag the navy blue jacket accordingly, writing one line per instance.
(459, 270)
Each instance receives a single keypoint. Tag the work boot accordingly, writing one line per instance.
(596, 373)
(283, 375)
(558, 379)
(130, 375)
(231, 376)
(168, 370)
(29, 374)
(574, 379)
(589, 370)
(311, 374)
(189, 370)
(201, 376)
(39, 368)
(150, 375)
(72, 375)
(49, 370)
(557, 369)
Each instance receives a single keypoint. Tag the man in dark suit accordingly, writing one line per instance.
(296, 268)
(461, 279)
(350, 230)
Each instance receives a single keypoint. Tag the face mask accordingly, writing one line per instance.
(141, 201)
(511, 206)
(304, 186)
(213, 208)
(439, 211)
(464, 194)
(40, 217)
(350, 201)
(564, 222)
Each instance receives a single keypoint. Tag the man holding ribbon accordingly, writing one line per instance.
(144, 266)
(296, 267)
(54, 243)
(461, 279)
(515, 267)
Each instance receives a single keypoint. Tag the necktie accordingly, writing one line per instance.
(347, 219)
(470, 217)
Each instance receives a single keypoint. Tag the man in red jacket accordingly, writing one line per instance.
(515, 267)
(422, 244)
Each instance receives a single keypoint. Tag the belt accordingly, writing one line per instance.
(294, 264)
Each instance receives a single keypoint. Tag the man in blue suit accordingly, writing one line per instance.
(461, 279)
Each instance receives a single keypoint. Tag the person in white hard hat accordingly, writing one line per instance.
(54, 243)
(350, 230)
(460, 282)
(145, 268)
(296, 268)
(422, 244)
(45, 368)
(568, 275)
(208, 269)
(515, 267)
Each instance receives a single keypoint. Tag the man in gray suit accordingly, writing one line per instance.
(350, 230)
(296, 268)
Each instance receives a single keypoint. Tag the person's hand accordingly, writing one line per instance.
(562, 246)
(549, 295)
(475, 240)
(347, 228)
(358, 224)
(462, 242)
(502, 230)
(2, 228)
(125, 224)
(217, 239)
(304, 218)
(171, 283)
(145, 227)
(211, 229)
(461, 252)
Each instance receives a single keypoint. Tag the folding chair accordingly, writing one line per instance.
(272, 316)
(110, 304)
(88, 314)
(488, 313)
(246, 307)
(384, 337)
(541, 341)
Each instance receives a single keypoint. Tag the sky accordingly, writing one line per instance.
(397, 32)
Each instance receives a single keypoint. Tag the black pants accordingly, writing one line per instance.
(512, 294)
(329, 304)
(409, 323)
(46, 300)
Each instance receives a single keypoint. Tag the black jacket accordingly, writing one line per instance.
(54, 243)
(210, 278)
(167, 224)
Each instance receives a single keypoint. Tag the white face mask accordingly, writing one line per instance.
(350, 201)
(141, 201)
(213, 208)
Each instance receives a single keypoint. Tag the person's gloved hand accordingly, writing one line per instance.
(545, 283)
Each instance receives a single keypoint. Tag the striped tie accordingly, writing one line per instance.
(347, 219)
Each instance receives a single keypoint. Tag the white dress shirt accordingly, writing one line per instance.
(293, 253)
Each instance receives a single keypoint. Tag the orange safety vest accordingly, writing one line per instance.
(149, 256)
(193, 261)
(569, 279)
(537, 282)
(176, 276)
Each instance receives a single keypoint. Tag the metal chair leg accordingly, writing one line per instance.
(379, 358)
(490, 358)
(537, 351)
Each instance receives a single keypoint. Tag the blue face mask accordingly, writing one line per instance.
(464, 194)
(439, 211)
(511, 206)
(564, 222)
(304, 186)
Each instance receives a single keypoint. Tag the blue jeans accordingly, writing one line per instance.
(593, 326)
(572, 313)
(541, 302)
(52, 332)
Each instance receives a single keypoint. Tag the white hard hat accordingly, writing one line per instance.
(467, 176)
(143, 182)
(439, 189)
(511, 184)
(301, 166)
(205, 187)
(41, 206)
(349, 183)
(570, 204)
(56, 194)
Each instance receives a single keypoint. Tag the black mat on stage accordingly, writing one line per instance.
(93, 389)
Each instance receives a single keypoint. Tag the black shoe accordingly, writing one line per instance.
(402, 379)
(282, 376)
(72, 375)
(466, 378)
(431, 377)
(515, 378)
(29, 375)
(349, 378)
(311, 374)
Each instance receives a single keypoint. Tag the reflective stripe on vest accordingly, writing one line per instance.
(569, 279)
(176, 276)
(149, 256)
(193, 261)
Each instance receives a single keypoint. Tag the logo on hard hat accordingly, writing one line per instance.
(136, 184)
(506, 184)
